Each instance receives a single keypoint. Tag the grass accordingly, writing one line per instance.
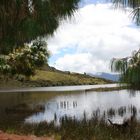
(10, 83)
(72, 129)
(50, 76)
(56, 78)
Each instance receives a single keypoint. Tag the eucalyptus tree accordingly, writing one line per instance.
(22, 21)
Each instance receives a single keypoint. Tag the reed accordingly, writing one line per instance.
(72, 129)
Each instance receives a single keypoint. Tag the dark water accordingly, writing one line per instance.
(116, 105)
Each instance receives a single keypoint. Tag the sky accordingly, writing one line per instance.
(92, 37)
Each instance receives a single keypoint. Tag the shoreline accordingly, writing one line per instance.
(102, 87)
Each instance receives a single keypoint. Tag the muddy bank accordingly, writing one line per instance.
(6, 136)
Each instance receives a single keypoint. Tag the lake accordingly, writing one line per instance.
(116, 105)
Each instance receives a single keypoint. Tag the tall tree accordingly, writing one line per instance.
(22, 21)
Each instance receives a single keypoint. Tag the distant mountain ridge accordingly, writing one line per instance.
(108, 76)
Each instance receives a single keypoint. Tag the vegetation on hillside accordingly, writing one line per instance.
(27, 67)
(54, 78)
(24, 61)
(49, 76)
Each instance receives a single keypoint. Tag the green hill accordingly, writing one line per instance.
(49, 76)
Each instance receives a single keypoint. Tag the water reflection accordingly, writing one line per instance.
(67, 105)
(116, 105)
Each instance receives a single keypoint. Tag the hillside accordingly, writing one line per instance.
(49, 76)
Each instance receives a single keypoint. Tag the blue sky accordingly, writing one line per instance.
(92, 37)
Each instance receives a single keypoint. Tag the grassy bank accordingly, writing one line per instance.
(49, 76)
(72, 129)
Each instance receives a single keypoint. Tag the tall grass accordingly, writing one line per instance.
(72, 129)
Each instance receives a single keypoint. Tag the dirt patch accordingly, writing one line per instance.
(5, 136)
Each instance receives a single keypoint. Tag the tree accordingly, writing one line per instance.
(129, 67)
(134, 4)
(22, 21)
(24, 61)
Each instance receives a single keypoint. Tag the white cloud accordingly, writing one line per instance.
(98, 33)
(80, 62)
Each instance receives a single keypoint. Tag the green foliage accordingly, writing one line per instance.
(39, 53)
(129, 68)
(25, 60)
(119, 65)
(134, 4)
(22, 21)
(4, 67)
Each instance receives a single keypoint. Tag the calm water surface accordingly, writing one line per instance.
(115, 105)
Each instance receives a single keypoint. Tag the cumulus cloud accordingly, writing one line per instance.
(80, 62)
(97, 33)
